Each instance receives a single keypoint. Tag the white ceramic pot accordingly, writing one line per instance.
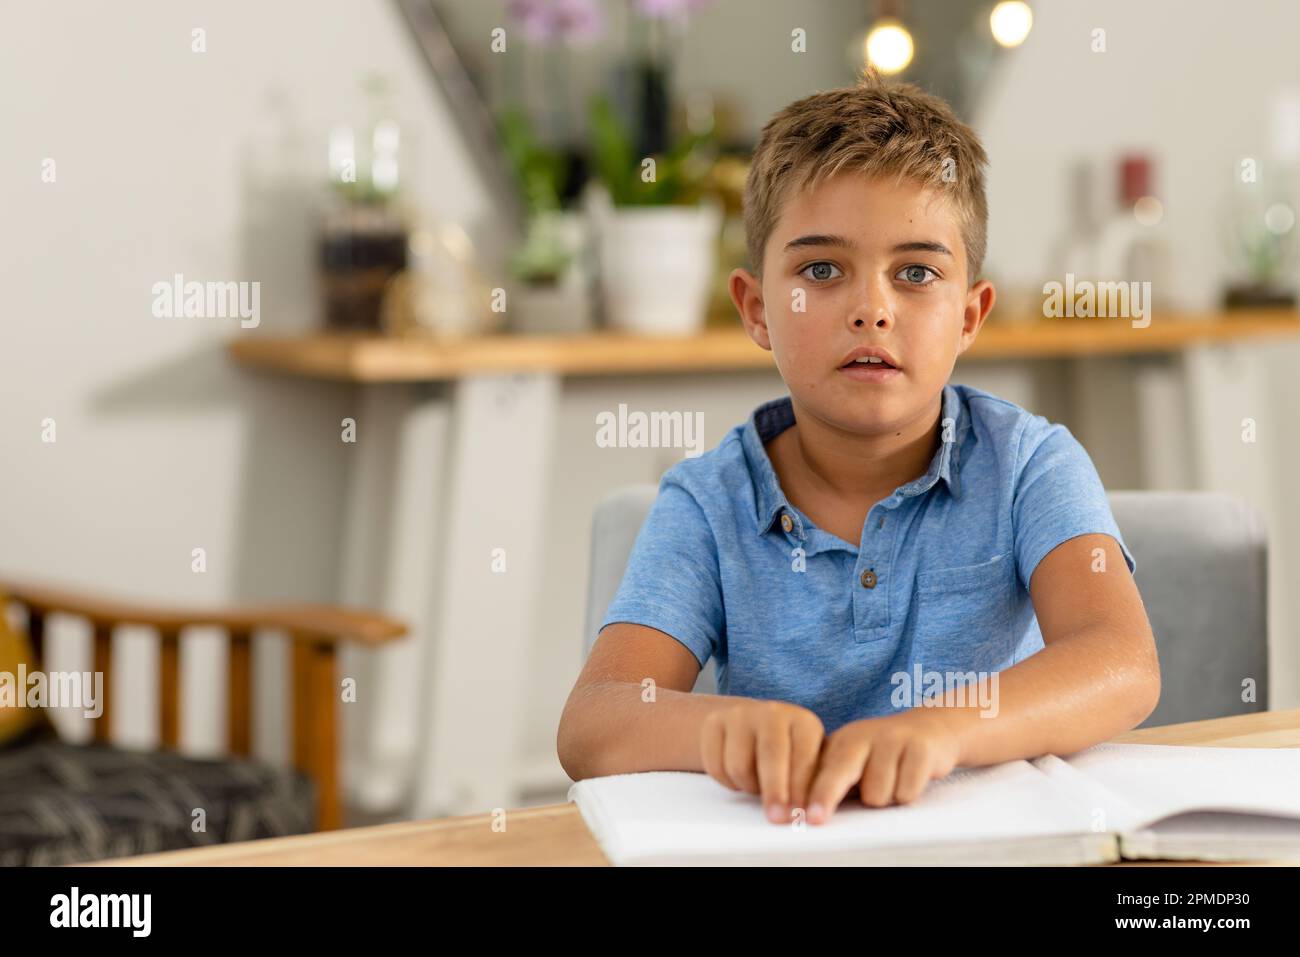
(657, 265)
(550, 311)
(565, 308)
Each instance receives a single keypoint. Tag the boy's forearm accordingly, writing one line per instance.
(614, 730)
(1076, 692)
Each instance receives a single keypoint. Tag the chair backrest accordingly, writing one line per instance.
(1202, 569)
(614, 528)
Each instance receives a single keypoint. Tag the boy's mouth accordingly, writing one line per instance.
(870, 355)
(870, 364)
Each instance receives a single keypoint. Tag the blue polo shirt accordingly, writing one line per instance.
(727, 566)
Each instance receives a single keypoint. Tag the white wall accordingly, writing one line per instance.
(173, 161)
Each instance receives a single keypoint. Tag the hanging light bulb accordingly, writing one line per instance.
(1011, 21)
(888, 46)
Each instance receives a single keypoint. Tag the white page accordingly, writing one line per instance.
(682, 814)
(1161, 779)
(1100, 808)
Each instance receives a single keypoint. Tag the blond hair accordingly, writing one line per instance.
(878, 127)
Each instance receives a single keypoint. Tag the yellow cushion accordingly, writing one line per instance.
(15, 649)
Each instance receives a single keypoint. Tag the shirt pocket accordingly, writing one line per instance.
(965, 616)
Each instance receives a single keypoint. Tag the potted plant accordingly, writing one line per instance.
(657, 231)
(656, 235)
(551, 277)
(364, 229)
(1260, 239)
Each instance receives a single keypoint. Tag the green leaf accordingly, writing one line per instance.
(539, 170)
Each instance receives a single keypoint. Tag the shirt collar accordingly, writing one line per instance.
(774, 417)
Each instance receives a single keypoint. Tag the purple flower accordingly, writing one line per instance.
(547, 20)
(579, 19)
(535, 17)
(653, 9)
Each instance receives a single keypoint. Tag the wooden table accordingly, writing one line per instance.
(556, 835)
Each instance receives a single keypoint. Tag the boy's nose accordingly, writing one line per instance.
(875, 314)
(871, 308)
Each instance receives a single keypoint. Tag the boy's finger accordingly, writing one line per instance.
(773, 759)
(806, 744)
(880, 774)
(738, 758)
(913, 773)
(840, 767)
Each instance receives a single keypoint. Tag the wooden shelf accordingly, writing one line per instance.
(357, 358)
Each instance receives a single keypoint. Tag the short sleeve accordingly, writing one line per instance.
(672, 581)
(1058, 496)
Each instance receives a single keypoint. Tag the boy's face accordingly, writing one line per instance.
(864, 262)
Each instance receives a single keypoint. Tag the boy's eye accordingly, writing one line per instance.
(820, 271)
(916, 275)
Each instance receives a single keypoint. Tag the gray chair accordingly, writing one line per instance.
(1202, 569)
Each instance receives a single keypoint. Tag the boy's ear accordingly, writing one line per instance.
(979, 303)
(747, 293)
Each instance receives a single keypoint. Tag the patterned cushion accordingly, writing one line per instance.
(64, 803)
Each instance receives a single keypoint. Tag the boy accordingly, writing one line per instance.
(876, 524)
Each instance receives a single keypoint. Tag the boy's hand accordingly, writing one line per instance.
(888, 759)
(764, 747)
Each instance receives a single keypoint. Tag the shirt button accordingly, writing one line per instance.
(787, 522)
(868, 579)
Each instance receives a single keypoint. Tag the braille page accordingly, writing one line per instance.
(691, 818)
(1101, 808)
(1160, 780)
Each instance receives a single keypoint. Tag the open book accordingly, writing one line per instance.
(1105, 803)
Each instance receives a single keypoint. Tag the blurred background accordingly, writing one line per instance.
(461, 265)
